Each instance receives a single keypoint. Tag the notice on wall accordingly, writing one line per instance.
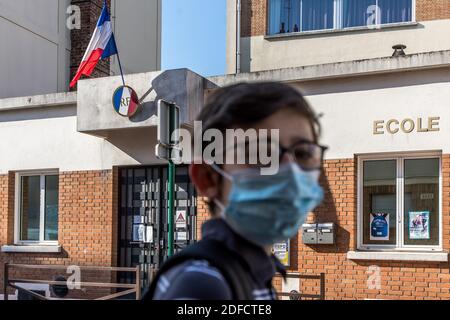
(281, 251)
(379, 226)
(148, 234)
(419, 225)
(181, 219)
(181, 236)
(139, 232)
(142, 233)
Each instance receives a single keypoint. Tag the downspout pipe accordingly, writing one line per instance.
(238, 35)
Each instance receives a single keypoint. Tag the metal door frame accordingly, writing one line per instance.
(161, 219)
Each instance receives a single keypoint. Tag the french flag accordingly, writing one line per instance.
(102, 46)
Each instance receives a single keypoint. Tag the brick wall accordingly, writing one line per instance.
(87, 227)
(7, 184)
(254, 14)
(6, 208)
(203, 214)
(346, 279)
(88, 231)
(90, 12)
(432, 10)
(86, 217)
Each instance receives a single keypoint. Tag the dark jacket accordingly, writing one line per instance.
(196, 279)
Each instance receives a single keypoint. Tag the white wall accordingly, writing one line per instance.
(137, 28)
(231, 36)
(48, 139)
(350, 106)
(259, 53)
(35, 43)
(35, 47)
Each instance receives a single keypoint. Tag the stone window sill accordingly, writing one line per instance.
(31, 249)
(398, 256)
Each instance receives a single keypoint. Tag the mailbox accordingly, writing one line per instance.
(309, 233)
(318, 233)
(325, 233)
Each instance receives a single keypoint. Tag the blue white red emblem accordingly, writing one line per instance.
(125, 101)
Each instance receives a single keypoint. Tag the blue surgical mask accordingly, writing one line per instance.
(266, 209)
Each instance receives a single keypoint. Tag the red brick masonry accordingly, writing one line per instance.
(346, 279)
(87, 228)
(88, 235)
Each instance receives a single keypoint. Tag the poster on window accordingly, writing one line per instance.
(139, 232)
(419, 225)
(379, 226)
(281, 251)
(148, 234)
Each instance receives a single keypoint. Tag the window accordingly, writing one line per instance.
(399, 202)
(286, 16)
(37, 208)
(358, 13)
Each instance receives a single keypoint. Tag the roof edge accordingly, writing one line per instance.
(425, 60)
(39, 101)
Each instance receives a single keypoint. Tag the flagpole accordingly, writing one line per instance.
(120, 67)
(118, 55)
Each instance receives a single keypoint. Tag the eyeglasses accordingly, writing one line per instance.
(308, 155)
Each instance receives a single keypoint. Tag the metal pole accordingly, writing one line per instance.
(238, 35)
(171, 206)
(120, 67)
(5, 282)
(138, 282)
(115, 44)
(322, 286)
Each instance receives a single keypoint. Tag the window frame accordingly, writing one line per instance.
(338, 19)
(400, 162)
(18, 204)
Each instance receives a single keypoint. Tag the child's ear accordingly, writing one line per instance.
(205, 180)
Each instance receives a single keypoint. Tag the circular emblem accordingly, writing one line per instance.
(125, 101)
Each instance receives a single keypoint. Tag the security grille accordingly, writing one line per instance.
(143, 208)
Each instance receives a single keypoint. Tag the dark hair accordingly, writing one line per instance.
(245, 104)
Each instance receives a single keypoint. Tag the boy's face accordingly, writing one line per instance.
(293, 127)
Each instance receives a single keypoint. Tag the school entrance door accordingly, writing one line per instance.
(143, 207)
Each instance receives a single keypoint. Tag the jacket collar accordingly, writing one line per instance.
(263, 267)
